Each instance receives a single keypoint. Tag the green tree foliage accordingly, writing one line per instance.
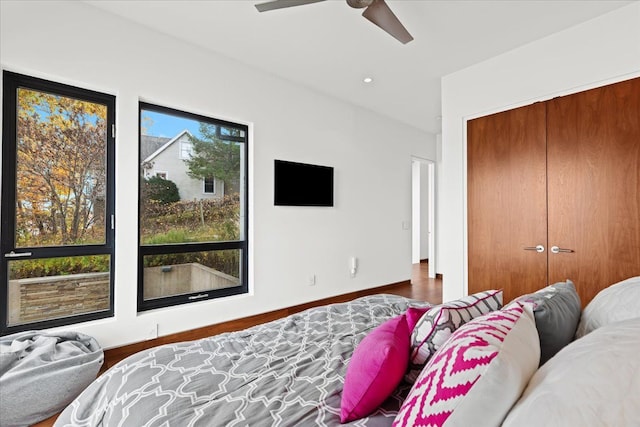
(61, 161)
(214, 157)
(160, 190)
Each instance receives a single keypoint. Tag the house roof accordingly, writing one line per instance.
(149, 144)
(152, 146)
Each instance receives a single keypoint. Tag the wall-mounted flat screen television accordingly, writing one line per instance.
(301, 184)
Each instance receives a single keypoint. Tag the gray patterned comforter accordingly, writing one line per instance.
(288, 372)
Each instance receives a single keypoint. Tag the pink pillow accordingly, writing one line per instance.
(414, 314)
(375, 369)
(486, 363)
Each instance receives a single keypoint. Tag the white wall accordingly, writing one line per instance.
(424, 211)
(601, 51)
(416, 209)
(77, 44)
(439, 212)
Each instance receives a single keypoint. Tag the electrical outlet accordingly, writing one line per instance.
(152, 332)
(312, 280)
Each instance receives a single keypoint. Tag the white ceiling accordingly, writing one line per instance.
(329, 47)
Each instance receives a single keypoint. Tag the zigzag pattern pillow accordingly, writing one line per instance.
(436, 326)
(486, 364)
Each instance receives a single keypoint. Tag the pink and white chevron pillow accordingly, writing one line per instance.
(486, 363)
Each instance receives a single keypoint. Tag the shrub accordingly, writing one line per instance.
(200, 220)
(61, 266)
(160, 190)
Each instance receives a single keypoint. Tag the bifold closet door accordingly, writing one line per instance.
(506, 201)
(593, 141)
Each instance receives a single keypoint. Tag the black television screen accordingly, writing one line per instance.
(301, 184)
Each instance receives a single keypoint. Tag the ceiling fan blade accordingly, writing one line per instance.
(380, 14)
(280, 4)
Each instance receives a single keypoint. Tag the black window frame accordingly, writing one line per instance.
(242, 245)
(211, 181)
(11, 83)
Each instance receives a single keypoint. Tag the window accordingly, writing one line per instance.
(186, 150)
(57, 204)
(209, 185)
(162, 175)
(192, 248)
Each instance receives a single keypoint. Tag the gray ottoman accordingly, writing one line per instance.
(41, 373)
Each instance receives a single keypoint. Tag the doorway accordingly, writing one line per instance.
(422, 214)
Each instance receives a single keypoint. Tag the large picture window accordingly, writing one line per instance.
(57, 204)
(193, 241)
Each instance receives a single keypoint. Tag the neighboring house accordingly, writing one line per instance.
(165, 157)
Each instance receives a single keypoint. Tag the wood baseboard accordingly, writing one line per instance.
(114, 355)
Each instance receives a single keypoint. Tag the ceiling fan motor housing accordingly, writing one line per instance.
(359, 4)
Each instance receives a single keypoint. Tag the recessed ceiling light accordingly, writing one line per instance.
(367, 79)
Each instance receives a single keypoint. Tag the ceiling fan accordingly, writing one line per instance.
(376, 11)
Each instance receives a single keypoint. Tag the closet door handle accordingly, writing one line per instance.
(538, 248)
(557, 250)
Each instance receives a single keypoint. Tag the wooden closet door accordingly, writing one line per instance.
(593, 140)
(506, 206)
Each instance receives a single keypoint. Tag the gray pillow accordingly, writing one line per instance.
(557, 313)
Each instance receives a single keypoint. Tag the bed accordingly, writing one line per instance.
(286, 372)
(467, 362)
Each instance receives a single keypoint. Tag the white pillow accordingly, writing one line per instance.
(478, 374)
(619, 301)
(592, 382)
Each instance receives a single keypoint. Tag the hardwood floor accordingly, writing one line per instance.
(420, 287)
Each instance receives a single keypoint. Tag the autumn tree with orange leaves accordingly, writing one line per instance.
(61, 164)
